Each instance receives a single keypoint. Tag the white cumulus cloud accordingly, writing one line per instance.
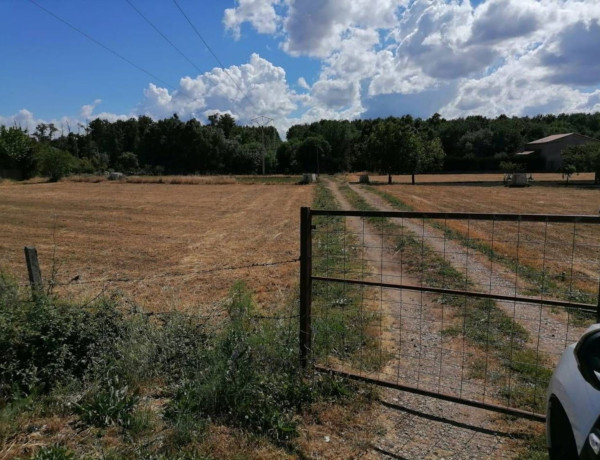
(260, 13)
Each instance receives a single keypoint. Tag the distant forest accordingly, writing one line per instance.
(392, 145)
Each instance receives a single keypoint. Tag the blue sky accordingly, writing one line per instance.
(298, 60)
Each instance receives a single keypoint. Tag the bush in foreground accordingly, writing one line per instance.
(95, 361)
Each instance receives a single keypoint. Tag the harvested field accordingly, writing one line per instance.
(167, 235)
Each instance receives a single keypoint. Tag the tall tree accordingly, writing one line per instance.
(16, 150)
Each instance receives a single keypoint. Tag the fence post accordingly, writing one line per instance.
(598, 305)
(33, 269)
(305, 286)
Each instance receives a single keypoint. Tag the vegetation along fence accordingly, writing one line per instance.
(470, 308)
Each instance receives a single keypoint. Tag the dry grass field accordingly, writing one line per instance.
(556, 248)
(170, 235)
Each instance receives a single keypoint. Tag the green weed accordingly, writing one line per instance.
(110, 404)
(54, 453)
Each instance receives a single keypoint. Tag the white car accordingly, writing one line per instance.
(573, 411)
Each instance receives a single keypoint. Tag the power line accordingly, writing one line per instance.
(245, 96)
(120, 56)
(163, 36)
(208, 47)
(141, 69)
(89, 37)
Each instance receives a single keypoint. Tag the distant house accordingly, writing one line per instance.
(549, 148)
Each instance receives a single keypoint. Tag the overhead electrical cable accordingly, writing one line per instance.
(208, 46)
(141, 69)
(120, 56)
(89, 37)
(164, 36)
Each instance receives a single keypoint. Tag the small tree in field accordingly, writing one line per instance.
(54, 163)
(429, 158)
(128, 162)
(582, 158)
(567, 171)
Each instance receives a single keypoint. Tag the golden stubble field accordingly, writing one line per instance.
(168, 235)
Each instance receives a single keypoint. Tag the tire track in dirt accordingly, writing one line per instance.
(541, 323)
(424, 427)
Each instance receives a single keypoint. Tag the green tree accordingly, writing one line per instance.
(54, 163)
(400, 148)
(310, 154)
(384, 145)
(224, 122)
(431, 157)
(16, 150)
(582, 158)
(128, 162)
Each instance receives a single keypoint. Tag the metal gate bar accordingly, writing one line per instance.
(446, 397)
(591, 308)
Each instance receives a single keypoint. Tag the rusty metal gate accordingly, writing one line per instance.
(469, 308)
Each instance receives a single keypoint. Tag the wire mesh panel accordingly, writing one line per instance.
(468, 307)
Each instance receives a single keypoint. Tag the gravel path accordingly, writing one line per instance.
(413, 426)
(550, 326)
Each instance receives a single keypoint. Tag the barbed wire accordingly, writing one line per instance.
(107, 281)
(77, 282)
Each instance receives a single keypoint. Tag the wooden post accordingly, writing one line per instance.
(305, 286)
(33, 268)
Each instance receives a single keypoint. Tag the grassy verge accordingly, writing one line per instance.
(125, 378)
(341, 319)
(542, 281)
(520, 379)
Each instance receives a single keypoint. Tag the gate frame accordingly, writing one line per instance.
(306, 279)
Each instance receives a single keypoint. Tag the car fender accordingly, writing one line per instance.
(579, 399)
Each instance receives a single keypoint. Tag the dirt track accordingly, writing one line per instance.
(490, 277)
(423, 427)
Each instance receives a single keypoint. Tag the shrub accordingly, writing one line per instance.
(244, 374)
(127, 162)
(54, 163)
(46, 342)
(251, 377)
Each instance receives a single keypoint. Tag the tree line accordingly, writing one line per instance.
(393, 145)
